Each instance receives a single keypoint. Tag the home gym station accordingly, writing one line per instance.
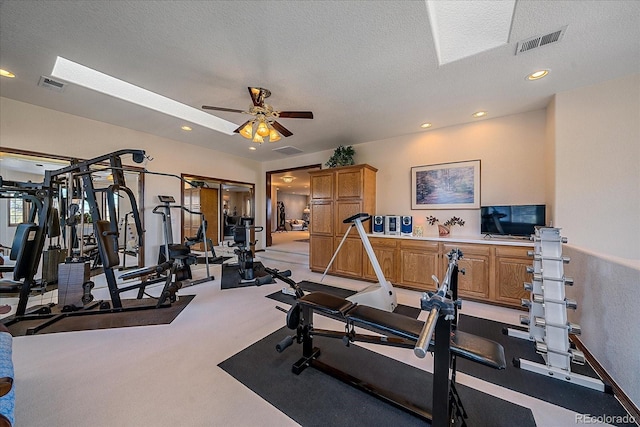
(339, 214)
(372, 316)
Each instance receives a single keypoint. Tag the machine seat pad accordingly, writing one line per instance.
(465, 345)
(326, 303)
(392, 323)
(478, 349)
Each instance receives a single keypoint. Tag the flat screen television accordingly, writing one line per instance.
(511, 220)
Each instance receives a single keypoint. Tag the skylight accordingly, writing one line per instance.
(95, 80)
(465, 28)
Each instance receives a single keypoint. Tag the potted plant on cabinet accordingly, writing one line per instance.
(342, 156)
(444, 230)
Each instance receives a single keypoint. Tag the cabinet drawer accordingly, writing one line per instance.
(513, 251)
(383, 243)
(419, 244)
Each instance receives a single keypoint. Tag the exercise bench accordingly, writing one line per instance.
(435, 334)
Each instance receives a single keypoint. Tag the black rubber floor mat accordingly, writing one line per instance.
(231, 277)
(95, 319)
(316, 399)
(570, 396)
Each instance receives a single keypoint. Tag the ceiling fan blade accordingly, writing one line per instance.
(296, 114)
(257, 96)
(231, 110)
(283, 130)
(241, 126)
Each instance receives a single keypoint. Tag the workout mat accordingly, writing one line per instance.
(570, 396)
(339, 292)
(157, 316)
(231, 277)
(317, 399)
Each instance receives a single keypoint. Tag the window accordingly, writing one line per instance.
(17, 212)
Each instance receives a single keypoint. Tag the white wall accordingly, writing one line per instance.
(595, 135)
(293, 204)
(511, 151)
(28, 127)
(597, 175)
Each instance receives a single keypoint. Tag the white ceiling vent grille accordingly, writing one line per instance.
(539, 41)
(287, 150)
(49, 83)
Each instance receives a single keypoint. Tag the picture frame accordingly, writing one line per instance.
(446, 186)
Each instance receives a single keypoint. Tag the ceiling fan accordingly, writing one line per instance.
(264, 124)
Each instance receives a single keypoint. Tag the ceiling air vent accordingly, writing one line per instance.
(539, 41)
(49, 83)
(287, 150)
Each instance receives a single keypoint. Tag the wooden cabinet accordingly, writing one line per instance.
(474, 282)
(386, 251)
(337, 194)
(203, 200)
(510, 274)
(418, 262)
(320, 252)
(493, 273)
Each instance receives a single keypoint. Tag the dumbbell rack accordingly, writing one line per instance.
(548, 326)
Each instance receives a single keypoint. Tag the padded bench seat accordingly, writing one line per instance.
(465, 345)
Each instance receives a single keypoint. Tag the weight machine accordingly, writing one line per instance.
(438, 334)
(30, 237)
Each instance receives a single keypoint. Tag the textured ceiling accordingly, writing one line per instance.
(367, 70)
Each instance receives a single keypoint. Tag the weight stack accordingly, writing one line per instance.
(71, 277)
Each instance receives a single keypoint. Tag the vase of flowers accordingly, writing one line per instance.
(444, 230)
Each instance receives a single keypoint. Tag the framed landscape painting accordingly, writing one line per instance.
(446, 186)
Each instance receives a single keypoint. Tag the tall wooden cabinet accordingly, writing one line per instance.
(337, 194)
(203, 200)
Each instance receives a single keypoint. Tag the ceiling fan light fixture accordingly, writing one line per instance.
(263, 129)
(247, 131)
(258, 138)
(274, 136)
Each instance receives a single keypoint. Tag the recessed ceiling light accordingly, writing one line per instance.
(187, 128)
(5, 73)
(252, 148)
(479, 114)
(425, 125)
(536, 75)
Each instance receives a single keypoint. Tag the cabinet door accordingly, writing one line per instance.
(345, 210)
(511, 265)
(386, 253)
(322, 218)
(349, 184)
(320, 252)
(321, 187)
(349, 260)
(209, 207)
(474, 283)
(418, 262)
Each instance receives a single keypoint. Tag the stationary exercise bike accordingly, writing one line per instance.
(179, 253)
(243, 244)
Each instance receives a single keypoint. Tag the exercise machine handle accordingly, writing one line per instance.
(422, 345)
(363, 217)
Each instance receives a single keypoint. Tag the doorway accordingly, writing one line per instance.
(287, 200)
